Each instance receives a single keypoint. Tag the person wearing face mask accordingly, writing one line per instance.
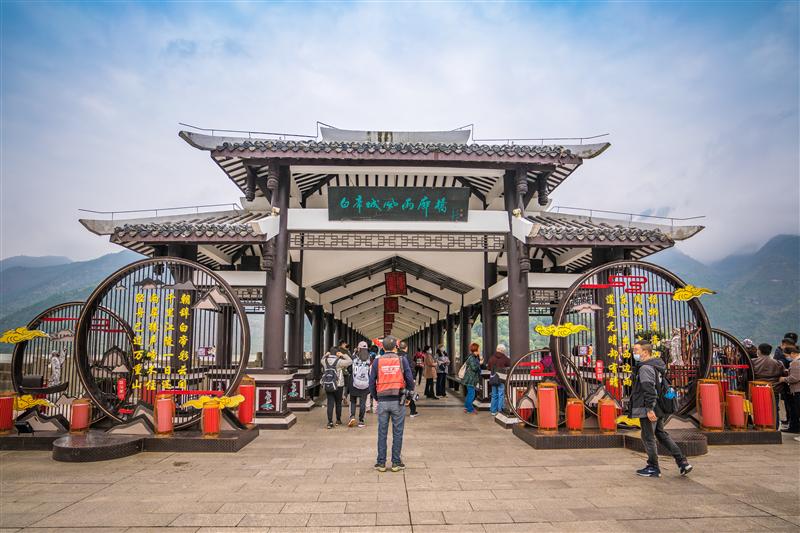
(649, 376)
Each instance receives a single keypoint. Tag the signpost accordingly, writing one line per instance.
(418, 204)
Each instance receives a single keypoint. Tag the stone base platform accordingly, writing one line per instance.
(690, 441)
(563, 440)
(99, 446)
(39, 441)
(749, 436)
(506, 421)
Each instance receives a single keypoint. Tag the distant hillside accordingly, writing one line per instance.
(28, 261)
(26, 291)
(758, 294)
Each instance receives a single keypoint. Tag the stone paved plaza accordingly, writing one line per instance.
(464, 474)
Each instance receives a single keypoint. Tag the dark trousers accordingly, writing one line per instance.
(362, 401)
(794, 412)
(429, 387)
(335, 400)
(413, 406)
(418, 374)
(652, 434)
(441, 379)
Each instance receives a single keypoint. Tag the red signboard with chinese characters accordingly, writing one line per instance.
(599, 370)
(396, 283)
(391, 305)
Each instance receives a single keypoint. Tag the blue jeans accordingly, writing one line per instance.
(498, 398)
(470, 397)
(395, 411)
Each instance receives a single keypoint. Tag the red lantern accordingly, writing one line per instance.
(737, 418)
(607, 415)
(211, 419)
(80, 416)
(6, 412)
(547, 414)
(391, 305)
(247, 388)
(396, 283)
(763, 400)
(708, 400)
(163, 413)
(575, 415)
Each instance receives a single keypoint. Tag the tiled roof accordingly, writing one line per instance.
(182, 230)
(243, 145)
(579, 229)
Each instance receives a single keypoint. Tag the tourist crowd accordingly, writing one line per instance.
(781, 369)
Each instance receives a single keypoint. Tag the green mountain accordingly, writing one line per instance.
(26, 291)
(28, 261)
(758, 294)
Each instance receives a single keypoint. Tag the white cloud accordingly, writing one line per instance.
(703, 116)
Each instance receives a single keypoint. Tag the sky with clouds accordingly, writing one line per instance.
(701, 101)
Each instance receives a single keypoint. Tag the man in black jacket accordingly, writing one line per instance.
(650, 372)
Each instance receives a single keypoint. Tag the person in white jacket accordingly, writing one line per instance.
(336, 360)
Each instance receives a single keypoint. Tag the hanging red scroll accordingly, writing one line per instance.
(395, 283)
(388, 318)
(391, 305)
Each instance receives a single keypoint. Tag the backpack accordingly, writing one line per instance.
(361, 374)
(494, 377)
(667, 397)
(330, 377)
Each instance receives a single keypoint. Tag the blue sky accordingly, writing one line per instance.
(700, 99)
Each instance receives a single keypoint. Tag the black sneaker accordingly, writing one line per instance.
(338, 422)
(649, 471)
(380, 468)
(685, 468)
(330, 425)
(396, 467)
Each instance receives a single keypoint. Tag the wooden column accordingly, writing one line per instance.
(329, 332)
(488, 320)
(451, 339)
(317, 319)
(518, 266)
(466, 331)
(297, 324)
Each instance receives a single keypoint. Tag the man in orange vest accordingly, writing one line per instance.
(389, 378)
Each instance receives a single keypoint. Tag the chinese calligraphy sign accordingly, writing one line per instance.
(426, 204)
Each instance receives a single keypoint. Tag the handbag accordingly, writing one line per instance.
(462, 371)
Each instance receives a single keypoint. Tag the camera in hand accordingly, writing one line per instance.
(409, 395)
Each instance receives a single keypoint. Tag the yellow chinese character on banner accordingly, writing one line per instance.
(166, 385)
(139, 299)
(654, 326)
(638, 327)
(182, 384)
(637, 299)
(610, 313)
(138, 341)
(154, 311)
(183, 328)
(151, 369)
(152, 327)
(150, 385)
(637, 311)
(625, 313)
(652, 311)
(138, 354)
(623, 299)
(182, 340)
(136, 385)
(654, 340)
(610, 299)
(168, 370)
(612, 340)
(182, 370)
(613, 354)
(184, 312)
(169, 327)
(137, 369)
(624, 326)
(183, 355)
(170, 312)
(186, 299)
(151, 354)
(139, 312)
(613, 368)
(153, 340)
(167, 355)
(613, 381)
(626, 368)
(168, 341)
(626, 341)
(138, 327)
(170, 297)
(154, 298)
(612, 328)
(627, 382)
(626, 354)
(652, 299)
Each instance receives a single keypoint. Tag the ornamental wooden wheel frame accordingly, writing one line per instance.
(611, 293)
(730, 363)
(190, 337)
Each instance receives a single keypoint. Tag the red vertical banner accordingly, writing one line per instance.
(391, 305)
(395, 283)
(388, 318)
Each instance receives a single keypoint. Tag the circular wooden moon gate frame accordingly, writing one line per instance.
(618, 304)
(45, 367)
(190, 336)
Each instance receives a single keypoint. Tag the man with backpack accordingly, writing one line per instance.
(496, 365)
(332, 381)
(652, 401)
(389, 377)
(359, 386)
